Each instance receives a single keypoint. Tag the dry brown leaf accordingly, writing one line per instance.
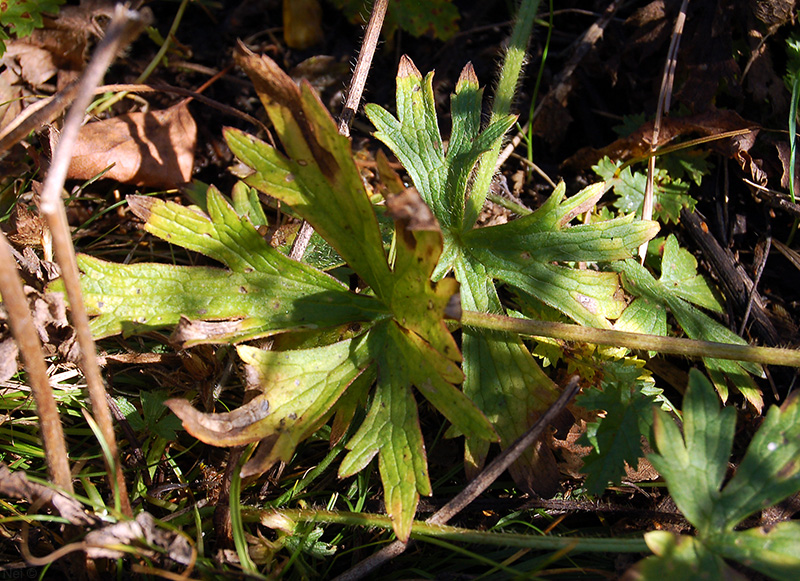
(27, 227)
(154, 149)
(10, 105)
(30, 63)
(637, 144)
(103, 543)
(59, 47)
(16, 485)
(8, 358)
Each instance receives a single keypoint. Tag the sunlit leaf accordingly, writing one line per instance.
(695, 465)
(669, 291)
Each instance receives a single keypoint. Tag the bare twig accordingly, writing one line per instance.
(363, 65)
(359, 79)
(474, 488)
(664, 98)
(123, 28)
(22, 326)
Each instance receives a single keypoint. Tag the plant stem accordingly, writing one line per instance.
(638, 341)
(31, 349)
(420, 530)
(124, 27)
(504, 96)
(363, 65)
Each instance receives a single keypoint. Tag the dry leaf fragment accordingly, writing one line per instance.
(409, 208)
(8, 358)
(637, 144)
(102, 543)
(154, 149)
(16, 485)
(9, 103)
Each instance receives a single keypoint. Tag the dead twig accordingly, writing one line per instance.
(359, 79)
(363, 65)
(124, 27)
(27, 339)
(474, 488)
(664, 98)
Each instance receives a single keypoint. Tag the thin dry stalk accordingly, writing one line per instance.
(664, 97)
(124, 27)
(19, 316)
(479, 484)
(363, 65)
(357, 83)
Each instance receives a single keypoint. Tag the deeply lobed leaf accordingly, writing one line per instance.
(677, 286)
(769, 473)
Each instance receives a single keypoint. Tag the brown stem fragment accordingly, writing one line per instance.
(363, 65)
(124, 27)
(24, 331)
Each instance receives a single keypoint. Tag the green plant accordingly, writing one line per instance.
(533, 255)
(768, 473)
(338, 351)
(18, 18)
(383, 333)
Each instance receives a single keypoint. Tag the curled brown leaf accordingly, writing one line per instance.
(154, 149)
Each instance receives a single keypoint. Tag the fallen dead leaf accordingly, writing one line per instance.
(102, 543)
(27, 227)
(9, 99)
(154, 149)
(637, 144)
(32, 64)
(8, 358)
(16, 485)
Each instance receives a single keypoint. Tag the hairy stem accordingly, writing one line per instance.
(638, 341)
(504, 96)
(420, 530)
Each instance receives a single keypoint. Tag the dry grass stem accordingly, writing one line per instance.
(27, 339)
(123, 28)
(664, 98)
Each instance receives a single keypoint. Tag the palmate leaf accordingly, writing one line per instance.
(261, 292)
(676, 289)
(670, 194)
(530, 247)
(519, 392)
(616, 437)
(441, 177)
(20, 17)
(768, 473)
(394, 333)
(408, 346)
(528, 254)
